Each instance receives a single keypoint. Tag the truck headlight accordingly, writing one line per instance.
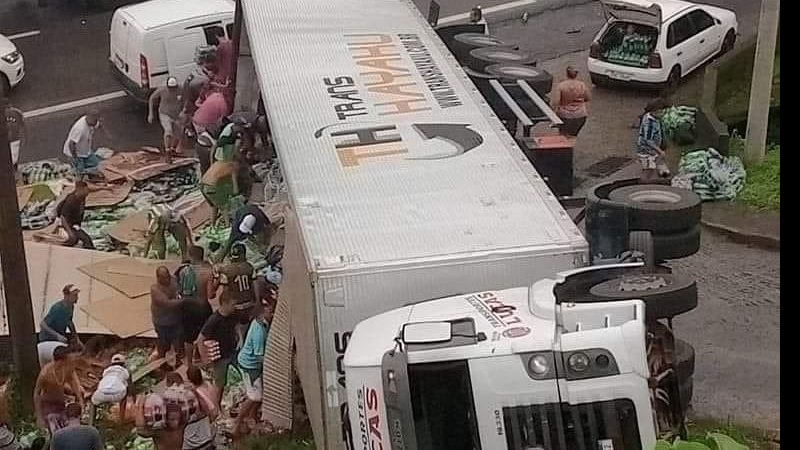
(11, 58)
(578, 362)
(540, 365)
(589, 363)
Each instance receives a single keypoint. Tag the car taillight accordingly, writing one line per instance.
(655, 61)
(594, 51)
(145, 72)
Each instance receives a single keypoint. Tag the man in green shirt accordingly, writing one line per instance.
(58, 320)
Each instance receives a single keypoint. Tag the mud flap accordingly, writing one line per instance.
(397, 398)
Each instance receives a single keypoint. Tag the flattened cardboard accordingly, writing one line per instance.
(24, 194)
(115, 195)
(130, 229)
(124, 317)
(127, 275)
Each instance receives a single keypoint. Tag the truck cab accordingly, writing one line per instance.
(514, 369)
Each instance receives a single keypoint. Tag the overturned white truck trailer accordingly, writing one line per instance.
(404, 185)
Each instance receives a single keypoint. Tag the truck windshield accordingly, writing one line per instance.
(444, 412)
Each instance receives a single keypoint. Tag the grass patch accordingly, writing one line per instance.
(753, 438)
(762, 190)
(734, 80)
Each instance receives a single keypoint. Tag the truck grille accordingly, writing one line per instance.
(609, 425)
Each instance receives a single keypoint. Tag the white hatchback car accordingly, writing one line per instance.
(658, 42)
(12, 66)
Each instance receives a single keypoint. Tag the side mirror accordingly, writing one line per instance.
(426, 332)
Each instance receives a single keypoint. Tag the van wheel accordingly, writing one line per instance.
(598, 80)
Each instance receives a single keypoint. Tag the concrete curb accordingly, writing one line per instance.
(754, 239)
(512, 10)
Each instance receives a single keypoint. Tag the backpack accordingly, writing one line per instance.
(187, 280)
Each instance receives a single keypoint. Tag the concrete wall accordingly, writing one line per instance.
(513, 11)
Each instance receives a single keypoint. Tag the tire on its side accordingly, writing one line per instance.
(463, 43)
(677, 296)
(677, 245)
(659, 208)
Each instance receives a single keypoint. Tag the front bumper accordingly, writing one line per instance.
(14, 72)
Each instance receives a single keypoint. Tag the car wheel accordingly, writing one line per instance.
(598, 80)
(674, 79)
(664, 295)
(676, 245)
(728, 42)
(659, 208)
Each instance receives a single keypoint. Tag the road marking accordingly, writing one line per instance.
(488, 11)
(24, 35)
(73, 104)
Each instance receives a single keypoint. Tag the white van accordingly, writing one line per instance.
(153, 40)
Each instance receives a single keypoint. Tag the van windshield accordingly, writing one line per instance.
(628, 44)
(444, 410)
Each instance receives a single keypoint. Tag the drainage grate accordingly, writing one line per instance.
(607, 166)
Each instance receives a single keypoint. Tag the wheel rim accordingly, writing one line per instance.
(654, 196)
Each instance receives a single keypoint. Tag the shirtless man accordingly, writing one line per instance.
(166, 307)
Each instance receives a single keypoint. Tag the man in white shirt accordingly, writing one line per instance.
(79, 146)
(476, 17)
(46, 349)
(113, 387)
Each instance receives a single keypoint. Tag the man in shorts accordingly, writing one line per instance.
(650, 142)
(15, 123)
(169, 107)
(194, 285)
(250, 359)
(166, 307)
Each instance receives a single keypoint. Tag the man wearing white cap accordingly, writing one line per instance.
(169, 108)
(114, 386)
(249, 221)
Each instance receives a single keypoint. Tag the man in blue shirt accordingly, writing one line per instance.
(650, 142)
(58, 320)
(251, 356)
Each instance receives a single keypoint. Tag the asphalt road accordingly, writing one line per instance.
(67, 60)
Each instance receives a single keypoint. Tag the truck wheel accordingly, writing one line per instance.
(642, 242)
(676, 245)
(479, 58)
(659, 208)
(664, 295)
(539, 80)
(463, 43)
(684, 361)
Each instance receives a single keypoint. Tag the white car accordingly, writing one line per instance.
(658, 42)
(12, 66)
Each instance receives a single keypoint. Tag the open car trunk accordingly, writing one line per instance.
(628, 43)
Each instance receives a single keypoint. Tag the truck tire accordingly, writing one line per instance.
(480, 58)
(642, 242)
(664, 295)
(659, 208)
(463, 43)
(685, 392)
(539, 79)
(676, 245)
(684, 360)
